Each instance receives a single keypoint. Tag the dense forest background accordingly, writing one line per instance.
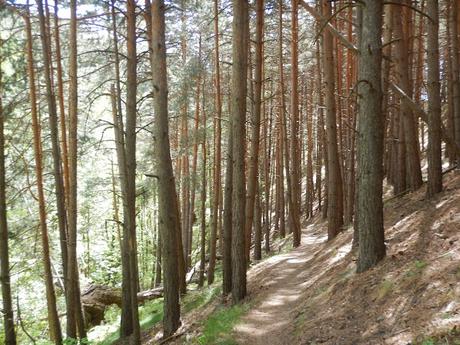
(151, 146)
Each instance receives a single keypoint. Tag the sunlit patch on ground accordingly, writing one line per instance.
(312, 295)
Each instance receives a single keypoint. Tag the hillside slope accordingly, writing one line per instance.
(312, 295)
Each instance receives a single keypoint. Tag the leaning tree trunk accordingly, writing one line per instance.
(370, 139)
(168, 211)
(54, 134)
(55, 327)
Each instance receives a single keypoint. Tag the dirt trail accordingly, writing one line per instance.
(277, 285)
(312, 294)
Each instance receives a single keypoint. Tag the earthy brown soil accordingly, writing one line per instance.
(312, 295)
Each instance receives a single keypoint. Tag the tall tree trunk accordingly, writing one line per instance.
(72, 295)
(320, 147)
(74, 310)
(130, 326)
(55, 328)
(355, 241)
(309, 147)
(257, 226)
(267, 181)
(255, 126)
(454, 31)
(119, 132)
(450, 126)
(191, 216)
(7, 306)
(227, 228)
(53, 123)
(62, 117)
(434, 101)
(420, 60)
(185, 165)
(218, 153)
(284, 120)
(334, 185)
(239, 92)
(349, 206)
(294, 206)
(408, 130)
(167, 191)
(203, 195)
(370, 140)
(116, 210)
(158, 265)
(282, 125)
(280, 203)
(390, 151)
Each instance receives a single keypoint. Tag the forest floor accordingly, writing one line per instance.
(312, 295)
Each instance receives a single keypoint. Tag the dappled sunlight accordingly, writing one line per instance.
(341, 253)
(402, 337)
(286, 288)
(313, 239)
(413, 291)
(296, 261)
(442, 203)
(406, 221)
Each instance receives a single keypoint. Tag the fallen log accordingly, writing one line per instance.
(97, 298)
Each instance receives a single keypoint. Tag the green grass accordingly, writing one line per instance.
(428, 341)
(151, 313)
(417, 268)
(200, 298)
(299, 321)
(320, 290)
(219, 325)
(449, 337)
(384, 289)
(457, 273)
(420, 264)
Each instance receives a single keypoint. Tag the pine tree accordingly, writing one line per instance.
(168, 212)
(370, 139)
(239, 93)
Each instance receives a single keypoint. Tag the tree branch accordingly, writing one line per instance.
(421, 113)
